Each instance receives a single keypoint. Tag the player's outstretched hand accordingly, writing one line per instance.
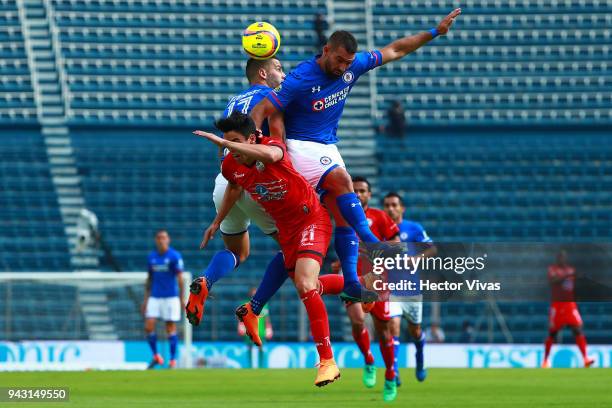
(219, 141)
(209, 234)
(448, 21)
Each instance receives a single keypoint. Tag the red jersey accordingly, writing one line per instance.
(381, 224)
(562, 290)
(277, 187)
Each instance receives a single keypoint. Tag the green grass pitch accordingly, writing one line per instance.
(496, 388)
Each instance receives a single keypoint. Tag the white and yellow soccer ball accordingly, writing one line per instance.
(261, 40)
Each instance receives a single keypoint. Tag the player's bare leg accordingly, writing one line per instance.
(386, 349)
(307, 285)
(152, 340)
(419, 342)
(362, 339)
(338, 184)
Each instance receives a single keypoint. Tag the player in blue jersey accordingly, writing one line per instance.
(163, 295)
(263, 76)
(418, 243)
(312, 99)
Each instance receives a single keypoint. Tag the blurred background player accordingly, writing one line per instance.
(563, 309)
(265, 334)
(385, 229)
(163, 296)
(418, 243)
(261, 166)
(312, 98)
(263, 75)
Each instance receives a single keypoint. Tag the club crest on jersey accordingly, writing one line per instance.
(370, 222)
(318, 105)
(348, 77)
(260, 166)
(404, 236)
(324, 160)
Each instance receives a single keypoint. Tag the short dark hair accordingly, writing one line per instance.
(393, 194)
(237, 122)
(160, 230)
(360, 179)
(253, 66)
(343, 39)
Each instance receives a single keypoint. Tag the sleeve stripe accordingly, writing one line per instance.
(275, 98)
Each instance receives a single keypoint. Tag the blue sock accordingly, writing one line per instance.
(419, 344)
(173, 339)
(396, 346)
(222, 263)
(346, 244)
(273, 279)
(152, 340)
(352, 211)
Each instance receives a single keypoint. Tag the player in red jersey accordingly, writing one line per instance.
(261, 166)
(385, 229)
(563, 309)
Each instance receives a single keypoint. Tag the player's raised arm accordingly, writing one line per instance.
(263, 153)
(264, 109)
(404, 46)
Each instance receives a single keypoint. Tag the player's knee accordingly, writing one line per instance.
(338, 181)
(577, 330)
(552, 333)
(304, 285)
(414, 330)
(357, 324)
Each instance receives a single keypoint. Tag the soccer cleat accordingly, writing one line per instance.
(389, 390)
(367, 307)
(354, 292)
(328, 372)
(589, 362)
(369, 375)
(157, 360)
(245, 314)
(420, 372)
(198, 292)
(545, 364)
(172, 364)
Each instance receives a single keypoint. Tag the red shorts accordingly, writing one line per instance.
(311, 240)
(381, 310)
(563, 314)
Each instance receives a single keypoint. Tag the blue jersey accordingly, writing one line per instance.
(163, 269)
(412, 232)
(245, 101)
(313, 101)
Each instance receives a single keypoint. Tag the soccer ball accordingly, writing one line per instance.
(261, 40)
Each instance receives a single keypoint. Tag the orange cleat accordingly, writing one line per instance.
(245, 314)
(157, 360)
(367, 306)
(197, 297)
(328, 373)
(545, 364)
(172, 364)
(589, 362)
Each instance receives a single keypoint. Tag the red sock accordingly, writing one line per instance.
(331, 284)
(547, 346)
(319, 325)
(362, 338)
(386, 349)
(582, 345)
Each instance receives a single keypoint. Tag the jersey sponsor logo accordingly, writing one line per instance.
(318, 105)
(324, 160)
(348, 77)
(238, 175)
(274, 190)
(260, 166)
